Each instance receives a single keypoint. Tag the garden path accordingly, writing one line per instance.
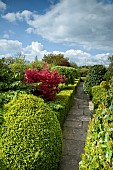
(75, 130)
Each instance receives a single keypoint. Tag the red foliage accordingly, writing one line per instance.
(49, 81)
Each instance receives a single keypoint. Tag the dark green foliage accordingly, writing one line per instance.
(31, 136)
(6, 75)
(11, 73)
(5, 97)
(69, 72)
(95, 77)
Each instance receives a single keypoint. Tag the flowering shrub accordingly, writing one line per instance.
(47, 81)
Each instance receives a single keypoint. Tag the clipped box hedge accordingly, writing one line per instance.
(98, 152)
(31, 136)
(98, 93)
(63, 101)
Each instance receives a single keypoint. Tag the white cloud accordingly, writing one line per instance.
(12, 17)
(2, 5)
(9, 46)
(86, 23)
(83, 58)
(12, 47)
(33, 50)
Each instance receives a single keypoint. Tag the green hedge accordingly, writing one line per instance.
(98, 93)
(31, 136)
(69, 72)
(98, 152)
(63, 101)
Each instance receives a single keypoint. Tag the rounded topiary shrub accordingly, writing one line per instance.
(31, 136)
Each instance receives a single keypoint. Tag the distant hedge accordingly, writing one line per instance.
(69, 72)
(95, 77)
(31, 136)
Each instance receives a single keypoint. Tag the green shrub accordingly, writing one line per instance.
(63, 102)
(84, 71)
(5, 97)
(98, 93)
(95, 77)
(6, 75)
(101, 94)
(31, 136)
(98, 152)
(69, 72)
(104, 84)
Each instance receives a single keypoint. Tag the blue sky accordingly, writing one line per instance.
(82, 30)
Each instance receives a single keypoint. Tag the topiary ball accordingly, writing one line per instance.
(31, 136)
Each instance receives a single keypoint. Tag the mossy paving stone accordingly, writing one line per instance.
(75, 130)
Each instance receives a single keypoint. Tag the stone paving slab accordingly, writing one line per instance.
(74, 148)
(69, 163)
(75, 130)
(73, 123)
(74, 133)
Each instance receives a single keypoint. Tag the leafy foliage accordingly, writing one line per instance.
(104, 84)
(63, 102)
(11, 73)
(56, 59)
(47, 82)
(98, 152)
(69, 72)
(31, 136)
(95, 77)
(99, 142)
(36, 65)
(98, 94)
(5, 97)
(6, 75)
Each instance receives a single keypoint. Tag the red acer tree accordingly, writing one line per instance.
(44, 82)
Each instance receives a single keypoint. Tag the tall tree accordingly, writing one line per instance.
(56, 59)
